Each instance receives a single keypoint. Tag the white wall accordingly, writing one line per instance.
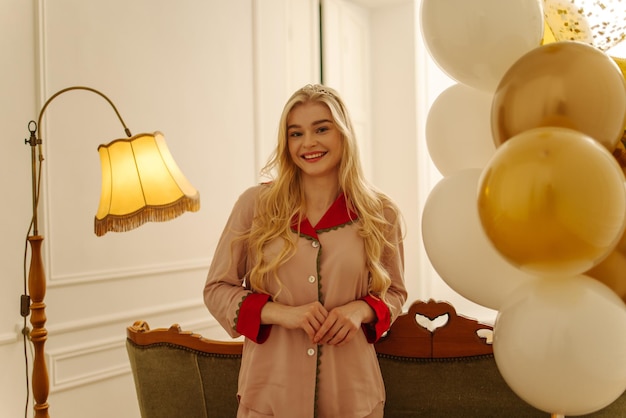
(167, 67)
(212, 75)
(394, 146)
(285, 50)
(17, 107)
(431, 81)
(404, 82)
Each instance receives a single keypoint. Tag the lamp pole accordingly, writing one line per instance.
(157, 164)
(39, 334)
(37, 292)
(36, 273)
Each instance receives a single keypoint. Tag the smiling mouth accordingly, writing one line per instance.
(313, 155)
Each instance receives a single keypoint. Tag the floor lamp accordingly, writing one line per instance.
(140, 183)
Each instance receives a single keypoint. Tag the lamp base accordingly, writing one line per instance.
(39, 334)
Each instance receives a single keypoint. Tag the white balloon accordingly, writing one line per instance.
(458, 129)
(457, 246)
(476, 41)
(560, 344)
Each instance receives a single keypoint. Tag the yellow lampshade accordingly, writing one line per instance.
(141, 183)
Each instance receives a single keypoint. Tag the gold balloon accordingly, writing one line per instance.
(621, 247)
(552, 201)
(621, 63)
(620, 153)
(565, 84)
(599, 24)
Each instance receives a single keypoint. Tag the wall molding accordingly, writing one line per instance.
(9, 338)
(189, 266)
(60, 361)
(119, 317)
(123, 317)
(108, 356)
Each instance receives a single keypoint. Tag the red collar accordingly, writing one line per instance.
(336, 216)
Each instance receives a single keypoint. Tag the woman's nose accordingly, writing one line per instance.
(309, 140)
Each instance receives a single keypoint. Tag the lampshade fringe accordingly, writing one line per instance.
(123, 223)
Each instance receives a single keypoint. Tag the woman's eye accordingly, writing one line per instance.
(322, 129)
(294, 134)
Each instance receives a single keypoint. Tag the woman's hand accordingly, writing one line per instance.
(343, 322)
(309, 317)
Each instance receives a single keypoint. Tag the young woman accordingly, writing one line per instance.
(309, 269)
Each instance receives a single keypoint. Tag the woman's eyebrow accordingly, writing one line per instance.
(317, 122)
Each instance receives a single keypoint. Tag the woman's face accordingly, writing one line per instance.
(314, 141)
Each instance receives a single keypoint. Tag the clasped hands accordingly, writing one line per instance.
(335, 327)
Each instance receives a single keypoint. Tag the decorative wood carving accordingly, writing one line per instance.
(141, 334)
(458, 337)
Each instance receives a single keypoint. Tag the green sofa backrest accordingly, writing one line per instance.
(176, 381)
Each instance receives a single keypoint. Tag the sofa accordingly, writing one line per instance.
(434, 362)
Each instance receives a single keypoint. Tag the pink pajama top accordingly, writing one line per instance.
(283, 374)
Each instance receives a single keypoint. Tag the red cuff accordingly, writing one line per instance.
(249, 318)
(375, 330)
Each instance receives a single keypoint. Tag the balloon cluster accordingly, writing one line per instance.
(529, 217)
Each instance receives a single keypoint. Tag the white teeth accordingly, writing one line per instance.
(311, 156)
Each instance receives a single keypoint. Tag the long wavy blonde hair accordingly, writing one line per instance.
(283, 198)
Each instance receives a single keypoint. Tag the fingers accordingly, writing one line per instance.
(314, 319)
(323, 335)
(336, 329)
(342, 336)
(340, 340)
(336, 335)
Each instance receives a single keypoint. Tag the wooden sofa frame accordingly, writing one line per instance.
(435, 363)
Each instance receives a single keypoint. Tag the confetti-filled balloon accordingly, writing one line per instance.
(552, 201)
(601, 24)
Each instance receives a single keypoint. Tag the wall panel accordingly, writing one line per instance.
(166, 67)
(346, 38)
(286, 57)
(395, 136)
(17, 26)
(166, 71)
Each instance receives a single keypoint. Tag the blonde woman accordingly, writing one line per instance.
(309, 269)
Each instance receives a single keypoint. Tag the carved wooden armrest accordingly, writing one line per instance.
(141, 334)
